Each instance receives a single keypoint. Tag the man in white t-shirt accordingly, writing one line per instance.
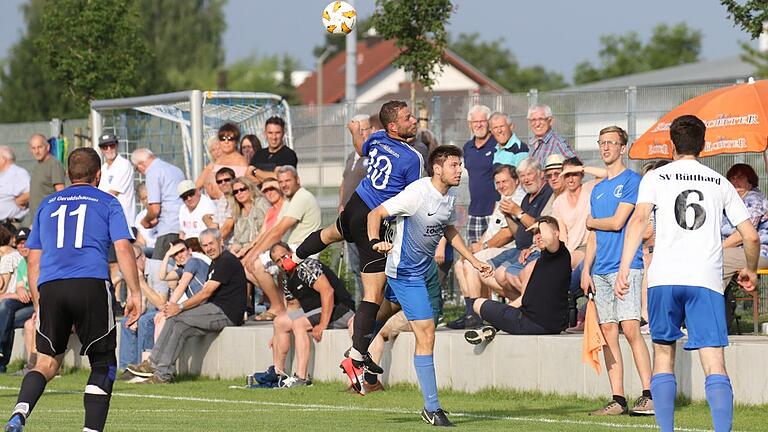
(117, 176)
(689, 200)
(196, 215)
(145, 237)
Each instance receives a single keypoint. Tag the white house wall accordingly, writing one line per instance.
(388, 81)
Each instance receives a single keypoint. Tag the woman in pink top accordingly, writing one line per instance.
(229, 137)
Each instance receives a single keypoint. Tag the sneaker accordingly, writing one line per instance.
(126, 376)
(577, 329)
(370, 366)
(268, 376)
(294, 381)
(154, 379)
(466, 322)
(371, 388)
(613, 408)
(475, 337)
(458, 323)
(354, 373)
(15, 423)
(643, 407)
(436, 418)
(144, 369)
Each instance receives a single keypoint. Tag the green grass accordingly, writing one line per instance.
(210, 405)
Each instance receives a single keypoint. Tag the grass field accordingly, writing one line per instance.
(211, 405)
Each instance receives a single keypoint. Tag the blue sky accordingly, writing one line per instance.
(557, 34)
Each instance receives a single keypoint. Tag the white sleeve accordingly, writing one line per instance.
(406, 203)
(124, 179)
(734, 206)
(647, 190)
(210, 208)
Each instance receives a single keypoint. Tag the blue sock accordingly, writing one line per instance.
(425, 371)
(720, 398)
(664, 389)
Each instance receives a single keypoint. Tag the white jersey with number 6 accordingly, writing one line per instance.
(690, 199)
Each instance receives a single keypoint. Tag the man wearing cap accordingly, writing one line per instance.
(14, 188)
(195, 215)
(117, 176)
(16, 301)
(552, 169)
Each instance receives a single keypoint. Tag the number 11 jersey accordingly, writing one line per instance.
(392, 165)
(690, 199)
(74, 228)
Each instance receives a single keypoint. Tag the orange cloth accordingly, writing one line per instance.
(593, 338)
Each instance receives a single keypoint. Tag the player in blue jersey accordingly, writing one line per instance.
(69, 280)
(392, 165)
(424, 213)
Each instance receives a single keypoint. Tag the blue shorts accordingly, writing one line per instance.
(702, 310)
(411, 295)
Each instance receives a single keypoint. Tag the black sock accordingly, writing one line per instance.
(468, 310)
(471, 306)
(647, 393)
(370, 378)
(32, 387)
(365, 320)
(621, 400)
(96, 410)
(311, 245)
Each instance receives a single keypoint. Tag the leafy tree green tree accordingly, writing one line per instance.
(626, 54)
(749, 15)
(498, 63)
(418, 29)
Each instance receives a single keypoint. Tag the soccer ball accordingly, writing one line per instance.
(339, 17)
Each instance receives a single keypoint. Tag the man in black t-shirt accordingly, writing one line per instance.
(220, 303)
(264, 162)
(326, 304)
(544, 305)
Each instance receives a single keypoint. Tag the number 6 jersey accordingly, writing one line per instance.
(74, 228)
(392, 165)
(690, 199)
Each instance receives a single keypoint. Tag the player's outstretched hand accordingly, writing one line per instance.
(132, 310)
(747, 280)
(382, 247)
(621, 286)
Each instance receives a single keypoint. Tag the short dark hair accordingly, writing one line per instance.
(225, 170)
(281, 244)
(254, 140)
(231, 128)
(549, 220)
(440, 154)
(388, 112)
(746, 170)
(5, 236)
(687, 133)
(83, 164)
(275, 120)
(508, 168)
(573, 161)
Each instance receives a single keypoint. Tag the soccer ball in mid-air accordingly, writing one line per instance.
(339, 17)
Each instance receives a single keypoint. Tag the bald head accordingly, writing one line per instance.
(39, 147)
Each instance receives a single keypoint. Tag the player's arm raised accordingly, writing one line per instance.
(632, 238)
(452, 235)
(374, 225)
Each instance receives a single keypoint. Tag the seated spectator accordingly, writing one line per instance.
(16, 301)
(543, 307)
(552, 170)
(266, 161)
(145, 237)
(188, 271)
(249, 145)
(745, 180)
(509, 149)
(326, 304)
(228, 137)
(223, 216)
(249, 209)
(220, 303)
(195, 215)
(274, 196)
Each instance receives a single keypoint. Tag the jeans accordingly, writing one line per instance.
(133, 343)
(13, 314)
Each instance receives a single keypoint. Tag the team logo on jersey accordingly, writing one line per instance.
(617, 192)
(488, 153)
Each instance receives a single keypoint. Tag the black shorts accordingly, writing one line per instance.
(85, 303)
(510, 319)
(353, 225)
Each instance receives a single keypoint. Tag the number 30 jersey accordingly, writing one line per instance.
(690, 199)
(392, 165)
(74, 229)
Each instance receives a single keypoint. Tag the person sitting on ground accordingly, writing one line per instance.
(195, 215)
(543, 308)
(228, 138)
(326, 304)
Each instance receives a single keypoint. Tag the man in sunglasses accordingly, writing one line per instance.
(223, 216)
(195, 215)
(117, 176)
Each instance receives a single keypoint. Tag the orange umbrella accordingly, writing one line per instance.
(593, 337)
(736, 119)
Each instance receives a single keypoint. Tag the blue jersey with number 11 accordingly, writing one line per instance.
(392, 165)
(74, 228)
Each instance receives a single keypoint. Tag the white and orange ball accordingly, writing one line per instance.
(339, 17)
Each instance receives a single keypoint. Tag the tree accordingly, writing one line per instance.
(418, 29)
(750, 15)
(626, 54)
(499, 64)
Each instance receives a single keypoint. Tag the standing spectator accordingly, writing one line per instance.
(47, 175)
(195, 215)
(509, 149)
(145, 237)
(14, 188)
(163, 200)
(117, 176)
(546, 141)
(228, 136)
(612, 202)
(223, 216)
(265, 162)
(249, 145)
(478, 160)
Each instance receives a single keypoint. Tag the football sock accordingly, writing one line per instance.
(311, 245)
(471, 306)
(720, 398)
(621, 400)
(425, 371)
(365, 320)
(98, 391)
(32, 387)
(664, 389)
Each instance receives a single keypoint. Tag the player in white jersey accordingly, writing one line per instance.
(685, 276)
(424, 213)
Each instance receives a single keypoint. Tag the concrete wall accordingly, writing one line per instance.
(539, 363)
